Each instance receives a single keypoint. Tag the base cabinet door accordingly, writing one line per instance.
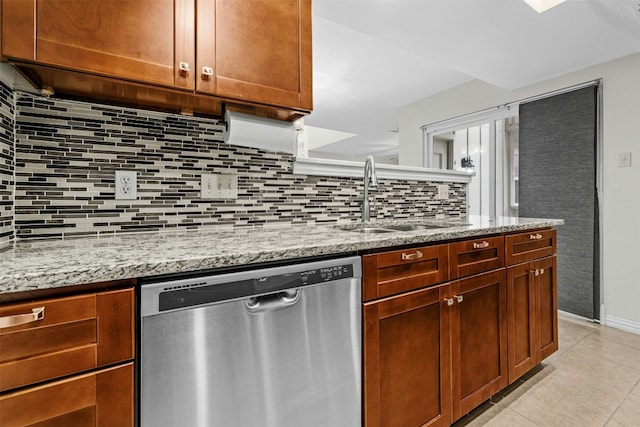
(547, 306)
(406, 357)
(477, 313)
(521, 312)
(532, 314)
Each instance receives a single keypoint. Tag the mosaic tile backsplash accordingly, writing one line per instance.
(6, 163)
(67, 152)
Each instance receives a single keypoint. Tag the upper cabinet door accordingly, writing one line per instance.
(128, 39)
(255, 50)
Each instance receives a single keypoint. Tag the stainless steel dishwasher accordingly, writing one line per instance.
(275, 347)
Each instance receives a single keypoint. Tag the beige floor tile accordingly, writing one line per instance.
(586, 376)
(617, 351)
(509, 418)
(550, 406)
(618, 336)
(628, 414)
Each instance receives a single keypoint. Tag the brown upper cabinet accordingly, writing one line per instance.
(171, 53)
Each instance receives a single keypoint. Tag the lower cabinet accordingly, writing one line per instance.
(102, 398)
(432, 355)
(460, 322)
(532, 314)
(68, 361)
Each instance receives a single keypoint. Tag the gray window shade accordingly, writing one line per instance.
(558, 143)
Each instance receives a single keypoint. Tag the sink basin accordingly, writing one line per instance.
(369, 230)
(389, 228)
(413, 227)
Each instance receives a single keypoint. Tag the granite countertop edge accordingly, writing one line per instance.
(30, 265)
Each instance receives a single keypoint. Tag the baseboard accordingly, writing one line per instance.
(575, 316)
(623, 324)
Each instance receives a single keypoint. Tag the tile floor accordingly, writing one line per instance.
(592, 380)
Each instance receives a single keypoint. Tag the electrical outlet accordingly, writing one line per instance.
(214, 186)
(443, 192)
(126, 185)
(624, 160)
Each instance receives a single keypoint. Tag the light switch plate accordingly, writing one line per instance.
(218, 186)
(624, 160)
(126, 185)
(443, 192)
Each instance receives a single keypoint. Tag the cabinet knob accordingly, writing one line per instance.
(449, 301)
(459, 298)
(542, 271)
(536, 236)
(185, 67)
(537, 272)
(20, 319)
(207, 71)
(413, 255)
(481, 245)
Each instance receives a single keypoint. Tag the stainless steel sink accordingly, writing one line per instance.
(390, 228)
(369, 230)
(413, 227)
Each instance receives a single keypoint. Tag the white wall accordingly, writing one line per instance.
(620, 196)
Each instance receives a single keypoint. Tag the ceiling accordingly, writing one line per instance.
(371, 57)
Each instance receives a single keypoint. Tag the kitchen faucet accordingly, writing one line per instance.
(370, 178)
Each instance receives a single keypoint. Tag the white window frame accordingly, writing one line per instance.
(470, 120)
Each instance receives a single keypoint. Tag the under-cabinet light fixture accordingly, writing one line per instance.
(543, 5)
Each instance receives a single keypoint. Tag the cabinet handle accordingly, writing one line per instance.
(207, 71)
(185, 67)
(481, 245)
(542, 271)
(20, 319)
(449, 301)
(414, 255)
(537, 272)
(536, 236)
(459, 298)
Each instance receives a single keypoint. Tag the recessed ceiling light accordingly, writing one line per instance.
(543, 5)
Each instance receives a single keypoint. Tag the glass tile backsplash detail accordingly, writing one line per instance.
(7, 158)
(67, 152)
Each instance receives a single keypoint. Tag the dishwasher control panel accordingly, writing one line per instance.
(163, 296)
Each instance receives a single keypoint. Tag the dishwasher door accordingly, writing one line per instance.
(289, 358)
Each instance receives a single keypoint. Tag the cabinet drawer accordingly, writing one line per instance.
(528, 246)
(70, 335)
(103, 398)
(475, 256)
(390, 273)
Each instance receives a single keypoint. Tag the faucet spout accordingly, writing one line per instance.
(370, 180)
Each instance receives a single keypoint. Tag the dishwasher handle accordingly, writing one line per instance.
(272, 302)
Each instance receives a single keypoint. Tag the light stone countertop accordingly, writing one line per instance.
(29, 265)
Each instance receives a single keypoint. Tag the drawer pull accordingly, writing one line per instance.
(21, 319)
(536, 236)
(481, 245)
(414, 255)
(449, 301)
